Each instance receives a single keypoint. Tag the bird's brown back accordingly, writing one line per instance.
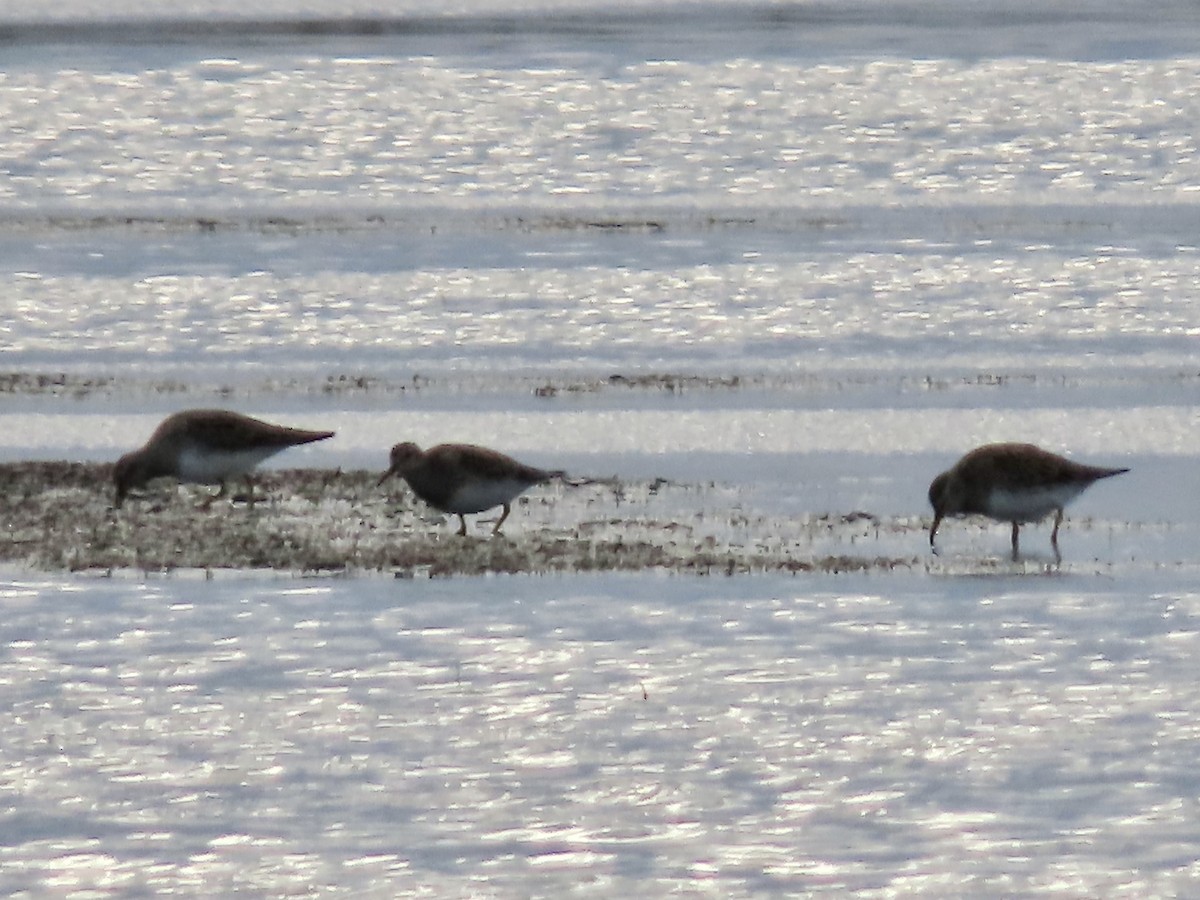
(221, 429)
(1016, 466)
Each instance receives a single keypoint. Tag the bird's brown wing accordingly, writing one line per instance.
(1012, 466)
(224, 430)
(484, 463)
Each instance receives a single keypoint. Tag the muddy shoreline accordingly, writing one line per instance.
(59, 516)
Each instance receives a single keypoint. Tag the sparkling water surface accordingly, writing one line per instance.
(600, 734)
(809, 254)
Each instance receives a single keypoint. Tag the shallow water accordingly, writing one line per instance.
(785, 263)
(599, 734)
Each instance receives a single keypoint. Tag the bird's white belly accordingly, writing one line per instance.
(1030, 504)
(215, 466)
(482, 495)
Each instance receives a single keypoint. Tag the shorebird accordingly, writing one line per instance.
(206, 446)
(1015, 483)
(463, 478)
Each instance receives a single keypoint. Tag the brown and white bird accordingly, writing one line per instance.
(464, 478)
(206, 446)
(1015, 483)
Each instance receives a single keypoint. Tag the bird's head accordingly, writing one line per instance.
(941, 498)
(401, 459)
(939, 490)
(135, 470)
(129, 472)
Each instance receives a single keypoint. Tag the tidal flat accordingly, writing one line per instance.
(759, 271)
(60, 516)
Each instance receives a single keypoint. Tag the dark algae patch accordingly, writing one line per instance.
(59, 516)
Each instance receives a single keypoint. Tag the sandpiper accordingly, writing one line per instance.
(1015, 483)
(463, 478)
(206, 446)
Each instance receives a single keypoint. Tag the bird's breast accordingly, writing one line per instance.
(209, 466)
(478, 495)
(1030, 503)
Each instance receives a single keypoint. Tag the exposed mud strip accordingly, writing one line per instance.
(59, 516)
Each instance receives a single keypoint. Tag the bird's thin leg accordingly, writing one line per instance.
(1058, 517)
(500, 521)
(250, 491)
(1016, 533)
(462, 528)
(207, 504)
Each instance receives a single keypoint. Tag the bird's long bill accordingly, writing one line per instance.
(385, 476)
(937, 520)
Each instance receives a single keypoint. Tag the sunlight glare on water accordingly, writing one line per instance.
(762, 270)
(872, 310)
(861, 130)
(620, 729)
(779, 715)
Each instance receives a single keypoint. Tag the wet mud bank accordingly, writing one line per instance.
(59, 516)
